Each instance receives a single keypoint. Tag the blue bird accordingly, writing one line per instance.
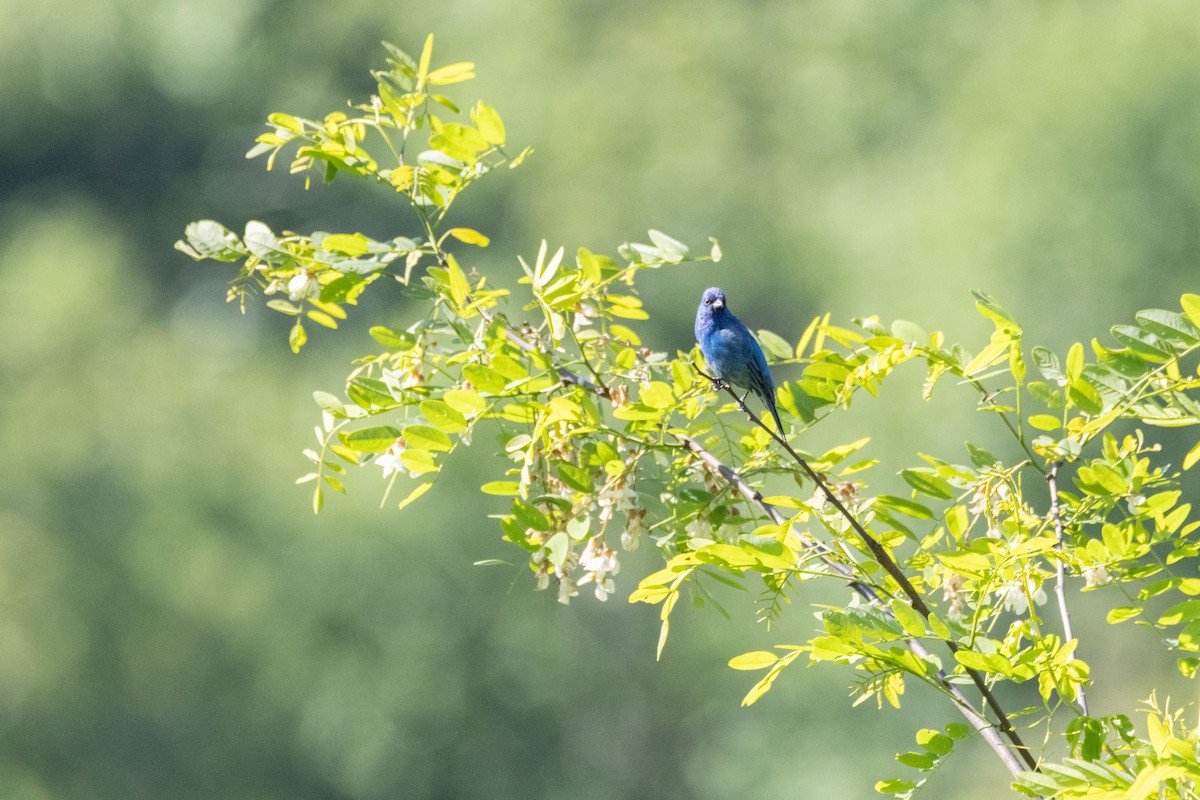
(731, 351)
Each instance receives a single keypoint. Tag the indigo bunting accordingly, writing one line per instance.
(731, 351)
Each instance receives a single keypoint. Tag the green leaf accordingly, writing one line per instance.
(330, 403)
(1123, 613)
(1191, 307)
(966, 562)
(530, 515)
(989, 308)
(424, 437)
(465, 402)
(1170, 326)
(260, 241)
(979, 457)
(1143, 343)
(452, 73)
(208, 239)
(297, 337)
(501, 488)
(578, 479)
(909, 618)
(759, 659)
(400, 341)
(372, 440)
(469, 236)
(906, 507)
(1192, 456)
(916, 760)
(927, 483)
(441, 415)
(1048, 365)
(907, 331)
(484, 378)
(934, 741)
(418, 462)
(491, 127)
(415, 494)
(351, 244)
(775, 345)
(992, 662)
(894, 786)
(1045, 422)
(673, 250)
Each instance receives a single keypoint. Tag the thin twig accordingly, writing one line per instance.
(1060, 590)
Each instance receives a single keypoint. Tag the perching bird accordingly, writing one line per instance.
(731, 350)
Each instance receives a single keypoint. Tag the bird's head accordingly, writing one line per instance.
(713, 299)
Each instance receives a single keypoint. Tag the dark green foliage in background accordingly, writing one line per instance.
(175, 622)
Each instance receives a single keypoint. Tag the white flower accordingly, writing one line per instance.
(1014, 596)
(303, 285)
(390, 460)
(952, 591)
(635, 526)
(616, 496)
(1096, 575)
(699, 528)
(566, 589)
(584, 316)
(599, 562)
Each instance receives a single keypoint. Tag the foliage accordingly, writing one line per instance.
(604, 441)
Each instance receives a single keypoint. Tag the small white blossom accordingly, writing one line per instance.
(566, 589)
(699, 528)
(616, 496)
(303, 285)
(390, 460)
(635, 526)
(599, 562)
(1014, 596)
(952, 592)
(584, 316)
(1096, 575)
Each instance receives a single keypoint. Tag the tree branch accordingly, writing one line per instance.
(1007, 753)
(884, 559)
(986, 729)
(1059, 574)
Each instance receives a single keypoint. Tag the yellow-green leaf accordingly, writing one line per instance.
(469, 236)
(426, 55)
(424, 437)
(1192, 456)
(491, 127)
(1044, 422)
(372, 440)
(441, 415)
(501, 488)
(759, 659)
(416, 493)
(452, 73)
(909, 618)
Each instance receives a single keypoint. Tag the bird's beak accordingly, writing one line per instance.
(718, 304)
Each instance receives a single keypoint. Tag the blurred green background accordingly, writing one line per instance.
(173, 620)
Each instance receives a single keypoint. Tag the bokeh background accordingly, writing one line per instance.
(174, 622)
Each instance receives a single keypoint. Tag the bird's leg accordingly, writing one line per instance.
(742, 402)
(717, 383)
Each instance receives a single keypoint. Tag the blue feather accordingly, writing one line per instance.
(731, 351)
